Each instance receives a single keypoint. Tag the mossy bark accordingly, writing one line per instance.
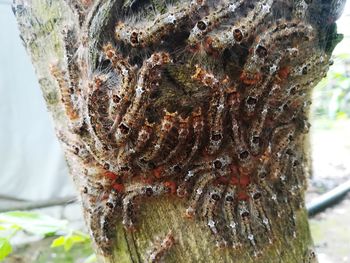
(40, 23)
(194, 243)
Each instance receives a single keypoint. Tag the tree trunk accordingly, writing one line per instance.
(184, 122)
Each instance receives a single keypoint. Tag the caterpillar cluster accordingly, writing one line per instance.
(207, 102)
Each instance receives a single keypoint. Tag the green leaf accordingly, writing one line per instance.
(58, 242)
(5, 248)
(34, 223)
(67, 242)
(79, 237)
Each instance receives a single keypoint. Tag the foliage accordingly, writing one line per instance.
(332, 95)
(40, 225)
(5, 248)
(69, 240)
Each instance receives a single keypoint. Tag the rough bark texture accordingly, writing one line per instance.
(273, 53)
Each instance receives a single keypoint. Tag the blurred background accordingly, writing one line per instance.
(330, 142)
(34, 174)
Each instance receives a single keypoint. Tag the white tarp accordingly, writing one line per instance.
(31, 160)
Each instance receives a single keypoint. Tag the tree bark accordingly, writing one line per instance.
(65, 40)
